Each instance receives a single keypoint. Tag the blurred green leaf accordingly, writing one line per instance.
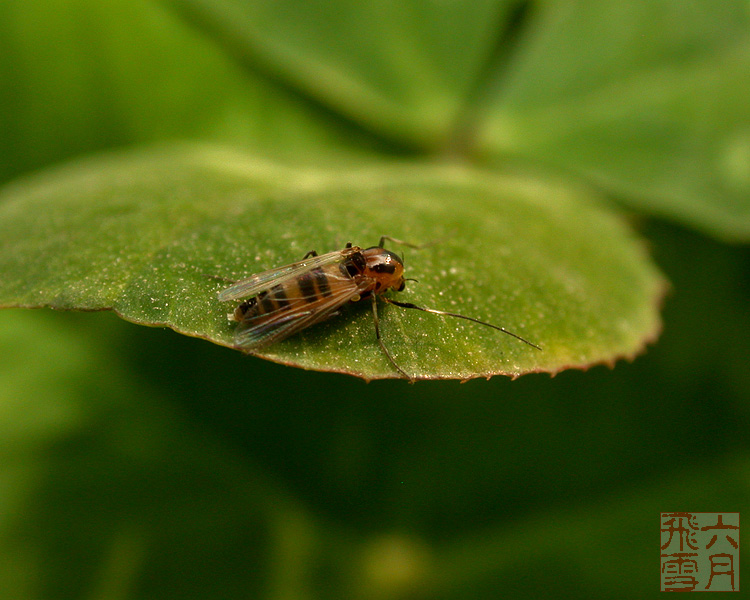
(135, 463)
(142, 234)
(402, 70)
(647, 99)
(114, 488)
(78, 76)
(107, 490)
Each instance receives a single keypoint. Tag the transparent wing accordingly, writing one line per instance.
(262, 330)
(260, 282)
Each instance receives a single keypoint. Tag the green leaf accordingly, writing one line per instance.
(104, 475)
(143, 234)
(647, 99)
(401, 70)
(79, 76)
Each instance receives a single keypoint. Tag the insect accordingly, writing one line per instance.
(283, 301)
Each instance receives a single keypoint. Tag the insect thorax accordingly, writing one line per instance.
(353, 265)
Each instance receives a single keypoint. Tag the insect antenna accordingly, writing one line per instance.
(450, 314)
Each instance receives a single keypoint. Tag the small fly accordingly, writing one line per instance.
(278, 303)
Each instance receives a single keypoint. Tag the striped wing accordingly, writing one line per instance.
(265, 329)
(254, 285)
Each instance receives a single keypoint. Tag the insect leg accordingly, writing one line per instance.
(380, 341)
(314, 253)
(409, 244)
(450, 314)
(397, 241)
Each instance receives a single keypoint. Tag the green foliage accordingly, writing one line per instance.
(143, 236)
(136, 463)
(647, 99)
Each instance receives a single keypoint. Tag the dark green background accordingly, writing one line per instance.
(138, 463)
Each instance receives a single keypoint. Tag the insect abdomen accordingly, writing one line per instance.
(296, 294)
